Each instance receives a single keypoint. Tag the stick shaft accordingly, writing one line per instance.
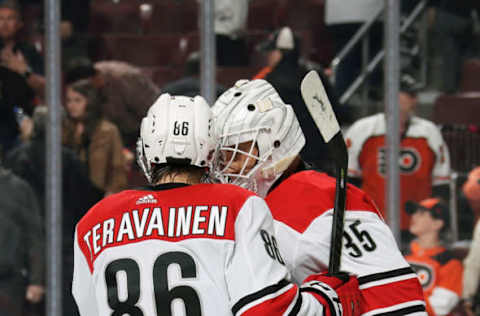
(338, 151)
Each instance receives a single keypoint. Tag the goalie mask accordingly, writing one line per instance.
(176, 130)
(258, 136)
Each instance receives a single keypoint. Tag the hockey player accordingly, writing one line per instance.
(182, 247)
(259, 140)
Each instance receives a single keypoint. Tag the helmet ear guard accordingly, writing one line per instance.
(142, 161)
(175, 131)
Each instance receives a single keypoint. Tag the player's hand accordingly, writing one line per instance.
(341, 290)
(34, 293)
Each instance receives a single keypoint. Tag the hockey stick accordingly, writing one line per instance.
(320, 109)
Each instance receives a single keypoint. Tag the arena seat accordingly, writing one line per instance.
(457, 113)
(464, 147)
(168, 16)
(307, 14)
(463, 108)
(174, 17)
(261, 15)
(111, 17)
(470, 78)
(144, 50)
(162, 75)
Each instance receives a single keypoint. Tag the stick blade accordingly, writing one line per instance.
(319, 106)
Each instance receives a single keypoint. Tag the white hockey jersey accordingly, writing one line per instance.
(205, 249)
(302, 206)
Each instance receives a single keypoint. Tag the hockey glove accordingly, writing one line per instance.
(340, 293)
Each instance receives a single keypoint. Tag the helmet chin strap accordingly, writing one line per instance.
(277, 168)
(267, 176)
(263, 185)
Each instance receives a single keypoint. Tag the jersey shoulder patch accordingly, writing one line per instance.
(306, 195)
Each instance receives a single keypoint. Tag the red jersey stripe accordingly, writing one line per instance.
(391, 294)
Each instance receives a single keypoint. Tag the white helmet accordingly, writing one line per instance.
(253, 111)
(177, 129)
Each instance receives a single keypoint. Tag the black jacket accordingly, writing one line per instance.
(28, 162)
(14, 92)
(21, 232)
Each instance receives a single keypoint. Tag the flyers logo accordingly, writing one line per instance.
(409, 160)
(424, 273)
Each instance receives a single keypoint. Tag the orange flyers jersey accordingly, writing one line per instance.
(302, 207)
(424, 160)
(440, 275)
(205, 249)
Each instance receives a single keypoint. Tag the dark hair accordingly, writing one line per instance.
(160, 171)
(78, 69)
(409, 85)
(93, 111)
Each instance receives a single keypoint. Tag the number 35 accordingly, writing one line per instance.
(361, 241)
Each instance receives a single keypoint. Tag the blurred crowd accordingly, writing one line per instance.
(105, 97)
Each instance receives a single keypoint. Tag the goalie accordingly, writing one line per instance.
(259, 139)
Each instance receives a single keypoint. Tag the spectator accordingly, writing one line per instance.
(125, 89)
(75, 18)
(77, 13)
(424, 158)
(15, 55)
(471, 190)
(440, 273)
(230, 26)
(343, 19)
(22, 244)
(15, 96)
(73, 27)
(189, 85)
(284, 73)
(28, 162)
(451, 25)
(96, 140)
(74, 45)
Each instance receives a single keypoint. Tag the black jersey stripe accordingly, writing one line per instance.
(403, 311)
(259, 294)
(296, 307)
(384, 275)
(325, 297)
